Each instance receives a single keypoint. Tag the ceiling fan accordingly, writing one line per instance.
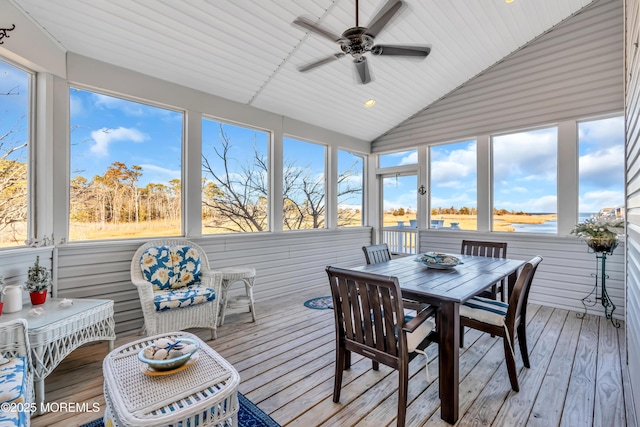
(357, 41)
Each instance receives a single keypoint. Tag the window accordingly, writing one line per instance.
(126, 172)
(601, 168)
(400, 158)
(454, 186)
(234, 178)
(303, 185)
(525, 181)
(350, 185)
(15, 99)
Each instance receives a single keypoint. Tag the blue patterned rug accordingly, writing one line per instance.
(320, 303)
(248, 416)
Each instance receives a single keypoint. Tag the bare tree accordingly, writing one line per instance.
(13, 181)
(237, 200)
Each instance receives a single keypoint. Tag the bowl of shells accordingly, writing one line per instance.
(166, 354)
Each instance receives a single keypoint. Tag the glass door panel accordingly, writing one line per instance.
(400, 212)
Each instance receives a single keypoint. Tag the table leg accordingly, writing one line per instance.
(449, 349)
(39, 385)
(111, 343)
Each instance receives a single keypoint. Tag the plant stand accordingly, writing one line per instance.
(592, 299)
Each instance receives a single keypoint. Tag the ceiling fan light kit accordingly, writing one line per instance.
(357, 41)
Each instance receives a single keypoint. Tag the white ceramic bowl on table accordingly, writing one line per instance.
(438, 260)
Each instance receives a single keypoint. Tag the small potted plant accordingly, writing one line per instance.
(37, 284)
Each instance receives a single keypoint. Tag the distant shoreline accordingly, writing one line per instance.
(469, 222)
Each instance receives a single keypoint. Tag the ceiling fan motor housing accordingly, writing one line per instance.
(356, 42)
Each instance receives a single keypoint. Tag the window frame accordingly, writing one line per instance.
(183, 160)
(269, 174)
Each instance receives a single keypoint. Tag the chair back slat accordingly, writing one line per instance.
(486, 249)
(376, 253)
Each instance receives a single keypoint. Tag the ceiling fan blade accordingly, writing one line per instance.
(418, 51)
(363, 70)
(321, 62)
(383, 17)
(311, 26)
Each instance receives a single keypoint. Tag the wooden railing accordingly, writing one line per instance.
(401, 239)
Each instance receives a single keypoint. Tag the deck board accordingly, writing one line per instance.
(286, 363)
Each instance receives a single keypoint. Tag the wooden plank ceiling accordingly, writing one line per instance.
(248, 50)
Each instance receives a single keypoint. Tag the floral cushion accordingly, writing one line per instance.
(183, 297)
(171, 267)
(13, 378)
(14, 418)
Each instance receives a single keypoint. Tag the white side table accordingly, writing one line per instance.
(203, 394)
(60, 330)
(230, 275)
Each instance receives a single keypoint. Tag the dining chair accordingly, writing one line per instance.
(370, 320)
(504, 319)
(376, 253)
(380, 253)
(492, 250)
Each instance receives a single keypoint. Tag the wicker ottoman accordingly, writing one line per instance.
(230, 275)
(202, 394)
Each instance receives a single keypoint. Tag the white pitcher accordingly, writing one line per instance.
(12, 298)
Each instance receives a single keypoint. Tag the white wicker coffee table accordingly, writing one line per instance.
(203, 394)
(59, 330)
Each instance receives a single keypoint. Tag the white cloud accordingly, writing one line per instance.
(75, 106)
(104, 137)
(593, 201)
(544, 204)
(411, 159)
(603, 168)
(605, 132)
(111, 103)
(526, 156)
(455, 165)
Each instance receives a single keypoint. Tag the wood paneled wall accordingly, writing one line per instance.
(285, 262)
(573, 71)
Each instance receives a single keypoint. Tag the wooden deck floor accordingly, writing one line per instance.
(286, 360)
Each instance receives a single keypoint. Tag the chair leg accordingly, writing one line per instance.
(341, 360)
(347, 359)
(511, 364)
(461, 336)
(375, 365)
(403, 381)
(522, 342)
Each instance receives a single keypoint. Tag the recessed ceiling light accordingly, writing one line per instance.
(370, 103)
(509, 1)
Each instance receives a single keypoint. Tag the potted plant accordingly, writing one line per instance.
(600, 233)
(37, 284)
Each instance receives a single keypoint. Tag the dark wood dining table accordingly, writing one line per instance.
(447, 289)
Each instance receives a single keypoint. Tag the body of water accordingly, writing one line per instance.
(548, 226)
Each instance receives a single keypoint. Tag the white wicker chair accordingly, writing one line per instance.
(201, 315)
(14, 343)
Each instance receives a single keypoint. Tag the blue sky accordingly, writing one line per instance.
(14, 106)
(105, 129)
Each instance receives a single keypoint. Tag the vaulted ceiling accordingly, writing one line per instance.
(249, 51)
